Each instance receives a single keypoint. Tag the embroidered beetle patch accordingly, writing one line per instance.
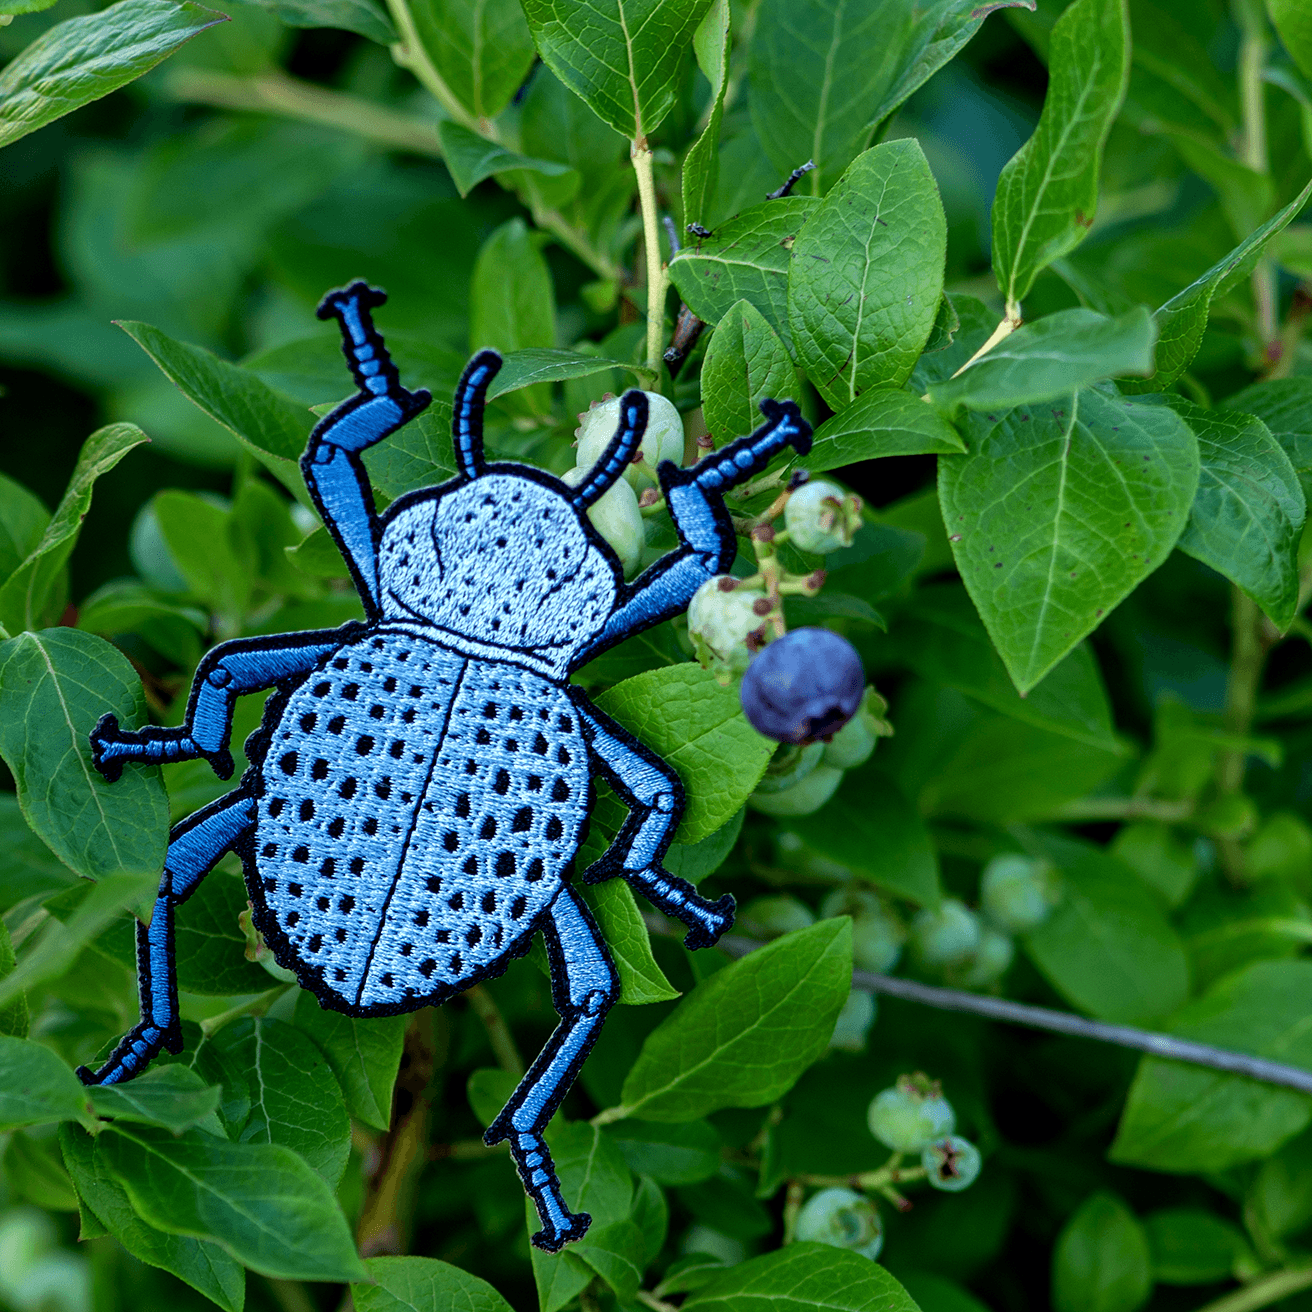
(420, 783)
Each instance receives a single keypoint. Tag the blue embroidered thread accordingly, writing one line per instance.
(421, 783)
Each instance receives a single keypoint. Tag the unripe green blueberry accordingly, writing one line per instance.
(853, 744)
(1017, 892)
(877, 934)
(615, 515)
(852, 1027)
(991, 961)
(945, 937)
(910, 1115)
(802, 798)
(951, 1163)
(789, 765)
(726, 626)
(768, 917)
(663, 439)
(841, 1218)
(821, 517)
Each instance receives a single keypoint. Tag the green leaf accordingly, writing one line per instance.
(422, 1284)
(870, 827)
(1101, 1263)
(694, 861)
(34, 1172)
(364, 1055)
(470, 158)
(621, 56)
(1249, 509)
(940, 637)
(695, 725)
(1186, 1118)
(625, 932)
(173, 1097)
(1192, 1247)
(1049, 528)
(260, 1202)
(1048, 359)
(701, 165)
(1107, 948)
(1294, 23)
(204, 1266)
(742, 1037)
(885, 421)
(672, 1154)
(513, 305)
(1182, 321)
(482, 50)
(35, 592)
(1284, 405)
(420, 455)
(37, 1087)
(60, 682)
(548, 365)
(802, 1277)
(746, 258)
(295, 1101)
(268, 423)
(1280, 1194)
(1047, 195)
(867, 274)
(363, 17)
(84, 58)
(210, 551)
(825, 73)
(745, 364)
(23, 520)
(15, 1016)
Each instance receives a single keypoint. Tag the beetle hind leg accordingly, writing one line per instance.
(584, 984)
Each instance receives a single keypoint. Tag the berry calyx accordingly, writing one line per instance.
(821, 517)
(951, 1163)
(803, 687)
(726, 626)
(841, 1218)
(911, 1114)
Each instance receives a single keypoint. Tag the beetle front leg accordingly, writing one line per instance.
(228, 671)
(194, 847)
(654, 795)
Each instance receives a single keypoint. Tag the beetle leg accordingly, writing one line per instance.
(194, 847)
(584, 984)
(227, 672)
(654, 795)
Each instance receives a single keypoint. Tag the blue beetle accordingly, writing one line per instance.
(421, 782)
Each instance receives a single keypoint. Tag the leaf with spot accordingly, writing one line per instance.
(204, 1266)
(621, 56)
(683, 715)
(746, 258)
(825, 73)
(260, 1202)
(35, 592)
(742, 1037)
(64, 680)
(1248, 513)
(294, 1096)
(867, 274)
(1058, 512)
(1050, 358)
(365, 1056)
(745, 363)
(1047, 195)
(83, 58)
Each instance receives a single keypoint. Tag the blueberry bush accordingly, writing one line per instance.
(1025, 629)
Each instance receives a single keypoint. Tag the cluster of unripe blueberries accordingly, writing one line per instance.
(801, 688)
(912, 1117)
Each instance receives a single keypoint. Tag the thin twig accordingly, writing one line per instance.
(498, 1032)
(791, 181)
(1062, 1022)
(1260, 1293)
(657, 275)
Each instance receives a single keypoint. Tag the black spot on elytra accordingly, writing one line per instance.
(462, 805)
(523, 820)
(501, 784)
(554, 828)
(517, 907)
(505, 865)
(451, 840)
(534, 871)
(307, 810)
(560, 791)
(346, 791)
(287, 762)
(489, 828)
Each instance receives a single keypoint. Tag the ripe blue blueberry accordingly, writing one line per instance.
(804, 686)
(951, 1163)
(842, 1218)
(910, 1115)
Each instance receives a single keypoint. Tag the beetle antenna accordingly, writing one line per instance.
(467, 412)
(618, 453)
